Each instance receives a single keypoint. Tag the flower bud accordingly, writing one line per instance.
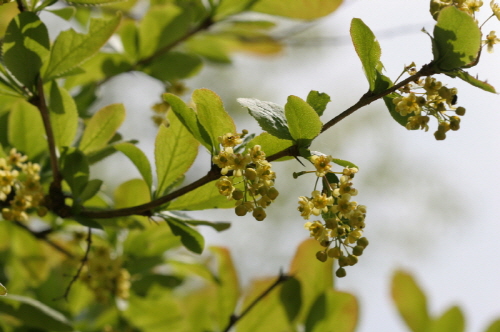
(259, 214)
(321, 256)
(340, 273)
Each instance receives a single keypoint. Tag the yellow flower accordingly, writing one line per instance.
(495, 8)
(230, 140)
(407, 105)
(322, 164)
(317, 230)
(321, 202)
(305, 207)
(225, 186)
(491, 39)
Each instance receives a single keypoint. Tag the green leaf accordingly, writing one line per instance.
(231, 7)
(102, 127)
(410, 301)
(215, 48)
(175, 151)
(90, 190)
(25, 47)
(301, 9)
(34, 313)
(270, 116)
(217, 225)
(129, 35)
(291, 298)
(132, 193)
(190, 238)
(270, 144)
(450, 321)
(159, 27)
(25, 129)
(318, 101)
(303, 121)
(152, 241)
(344, 163)
(71, 48)
(3, 290)
(189, 119)
(457, 38)
(388, 100)
(202, 198)
(88, 222)
(174, 66)
(333, 310)
(314, 276)
(138, 158)
(212, 115)
(75, 170)
(463, 75)
(63, 115)
(93, 2)
(494, 326)
(368, 50)
(65, 13)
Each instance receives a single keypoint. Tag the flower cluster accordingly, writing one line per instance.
(20, 188)
(105, 276)
(437, 101)
(341, 231)
(252, 170)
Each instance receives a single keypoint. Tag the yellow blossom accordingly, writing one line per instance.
(317, 230)
(305, 207)
(322, 164)
(495, 8)
(320, 202)
(491, 39)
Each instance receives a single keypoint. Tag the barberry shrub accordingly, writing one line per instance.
(74, 258)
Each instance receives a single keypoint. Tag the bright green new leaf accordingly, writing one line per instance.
(410, 301)
(87, 222)
(131, 193)
(450, 321)
(152, 241)
(228, 290)
(301, 9)
(93, 2)
(3, 290)
(344, 163)
(291, 298)
(71, 48)
(213, 47)
(494, 327)
(270, 116)
(190, 238)
(174, 66)
(388, 100)
(102, 127)
(65, 13)
(457, 38)
(212, 115)
(175, 151)
(34, 314)
(161, 25)
(129, 35)
(91, 189)
(303, 121)
(333, 310)
(63, 115)
(368, 50)
(74, 169)
(25, 129)
(269, 314)
(231, 7)
(202, 198)
(138, 158)
(318, 101)
(25, 47)
(219, 226)
(270, 144)
(189, 119)
(314, 276)
(472, 80)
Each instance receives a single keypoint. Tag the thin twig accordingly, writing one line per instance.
(79, 271)
(235, 318)
(43, 237)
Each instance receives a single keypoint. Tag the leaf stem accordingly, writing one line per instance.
(235, 318)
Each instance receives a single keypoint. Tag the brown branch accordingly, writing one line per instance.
(235, 318)
(80, 268)
(43, 237)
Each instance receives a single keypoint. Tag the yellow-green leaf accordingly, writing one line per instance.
(301, 9)
(202, 198)
(25, 129)
(175, 151)
(410, 301)
(3, 290)
(138, 158)
(71, 48)
(63, 115)
(333, 311)
(303, 121)
(450, 321)
(102, 127)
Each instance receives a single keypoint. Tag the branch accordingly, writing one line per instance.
(235, 318)
(43, 237)
(79, 271)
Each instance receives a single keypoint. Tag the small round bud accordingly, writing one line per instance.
(238, 194)
(358, 250)
(259, 214)
(335, 252)
(363, 242)
(421, 101)
(340, 231)
(439, 135)
(331, 223)
(325, 243)
(321, 256)
(343, 261)
(340, 273)
(250, 174)
(240, 210)
(262, 191)
(352, 260)
(273, 193)
(460, 111)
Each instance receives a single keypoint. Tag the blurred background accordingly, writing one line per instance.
(431, 204)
